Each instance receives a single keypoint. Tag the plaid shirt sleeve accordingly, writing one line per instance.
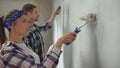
(52, 58)
(44, 27)
(13, 58)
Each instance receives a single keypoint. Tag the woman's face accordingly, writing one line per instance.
(21, 26)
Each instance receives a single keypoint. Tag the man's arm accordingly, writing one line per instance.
(56, 12)
(48, 25)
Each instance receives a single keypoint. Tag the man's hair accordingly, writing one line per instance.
(28, 7)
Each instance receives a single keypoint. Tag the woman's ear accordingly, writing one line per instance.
(12, 25)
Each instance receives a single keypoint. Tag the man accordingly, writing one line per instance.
(34, 39)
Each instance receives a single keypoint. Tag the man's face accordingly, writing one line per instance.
(35, 14)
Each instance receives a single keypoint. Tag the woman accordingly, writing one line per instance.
(15, 54)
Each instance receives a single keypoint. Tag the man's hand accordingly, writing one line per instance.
(58, 10)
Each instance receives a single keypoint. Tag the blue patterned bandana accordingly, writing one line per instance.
(12, 18)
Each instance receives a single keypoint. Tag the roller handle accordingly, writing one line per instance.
(77, 30)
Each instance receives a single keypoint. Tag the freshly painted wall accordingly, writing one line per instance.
(97, 45)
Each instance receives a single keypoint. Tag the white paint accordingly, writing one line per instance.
(84, 52)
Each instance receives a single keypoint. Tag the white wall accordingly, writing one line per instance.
(44, 8)
(58, 27)
(97, 45)
(82, 53)
(109, 33)
(84, 48)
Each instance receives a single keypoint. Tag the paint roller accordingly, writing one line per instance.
(91, 18)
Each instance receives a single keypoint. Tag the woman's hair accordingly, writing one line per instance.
(12, 16)
(10, 13)
(6, 21)
(2, 31)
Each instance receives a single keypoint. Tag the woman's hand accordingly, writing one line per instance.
(70, 37)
